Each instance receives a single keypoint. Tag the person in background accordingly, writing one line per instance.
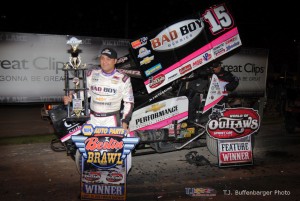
(232, 81)
(199, 84)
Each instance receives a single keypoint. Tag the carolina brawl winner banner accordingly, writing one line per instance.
(174, 50)
(104, 161)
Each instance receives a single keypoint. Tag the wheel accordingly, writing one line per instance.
(212, 145)
(78, 161)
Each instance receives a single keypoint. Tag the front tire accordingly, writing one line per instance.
(78, 161)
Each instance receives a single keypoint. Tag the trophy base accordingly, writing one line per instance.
(77, 119)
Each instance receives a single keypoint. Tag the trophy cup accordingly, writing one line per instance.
(75, 73)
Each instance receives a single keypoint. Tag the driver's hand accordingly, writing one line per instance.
(68, 99)
(125, 126)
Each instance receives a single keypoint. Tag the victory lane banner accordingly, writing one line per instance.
(173, 51)
(104, 161)
(233, 127)
(235, 152)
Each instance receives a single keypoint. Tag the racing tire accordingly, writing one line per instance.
(78, 161)
(212, 145)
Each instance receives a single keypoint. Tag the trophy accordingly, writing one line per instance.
(75, 73)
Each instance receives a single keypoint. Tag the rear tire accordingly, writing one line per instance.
(212, 145)
(78, 161)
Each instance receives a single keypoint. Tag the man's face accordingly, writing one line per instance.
(217, 69)
(107, 64)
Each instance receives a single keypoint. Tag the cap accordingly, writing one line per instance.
(217, 64)
(111, 53)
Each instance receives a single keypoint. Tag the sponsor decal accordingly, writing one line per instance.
(160, 114)
(160, 93)
(122, 60)
(116, 77)
(91, 176)
(100, 99)
(219, 50)
(155, 107)
(153, 69)
(156, 115)
(130, 72)
(143, 52)
(207, 56)
(104, 90)
(185, 69)
(177, 35)
(114, 176)
(232, 40)
(139, 43)
(156, 80)
(146, 60)
(198, 62)
(232, 122)
(232, 43)
(173, 77)
(229, 47)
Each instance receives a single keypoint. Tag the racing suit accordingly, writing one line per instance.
(231, 83)
(198, 84)
(107, 91)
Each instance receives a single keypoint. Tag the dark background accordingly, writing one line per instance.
(262, 24)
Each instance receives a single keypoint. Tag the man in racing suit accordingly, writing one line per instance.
(107, 88)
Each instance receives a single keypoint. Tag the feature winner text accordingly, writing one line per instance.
(103, 189)
(237, 151)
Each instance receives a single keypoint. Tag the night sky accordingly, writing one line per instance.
(261, 25)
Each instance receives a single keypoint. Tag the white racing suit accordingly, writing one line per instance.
(107, 91)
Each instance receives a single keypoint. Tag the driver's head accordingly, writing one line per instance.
(216, 67)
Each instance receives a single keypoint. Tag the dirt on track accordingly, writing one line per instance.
(34, 172)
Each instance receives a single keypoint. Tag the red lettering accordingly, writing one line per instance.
(155, 43)
(93, 143)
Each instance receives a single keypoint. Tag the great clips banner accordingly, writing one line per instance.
(174, 50)
(31, 64)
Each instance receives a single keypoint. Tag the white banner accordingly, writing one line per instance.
(250, 65)
(31, 64)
